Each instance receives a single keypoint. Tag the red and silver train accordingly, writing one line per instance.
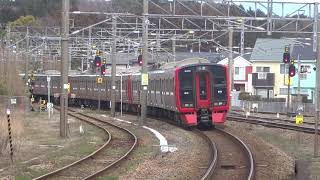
(190, 92)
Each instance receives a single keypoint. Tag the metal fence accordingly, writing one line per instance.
(273, 107)
(269, 107)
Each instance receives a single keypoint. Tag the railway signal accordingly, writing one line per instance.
(103, 69)
(97, 61)
(140, 60)
(286, 55)
(292, 70)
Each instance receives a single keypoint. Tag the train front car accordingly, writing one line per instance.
(202, 94)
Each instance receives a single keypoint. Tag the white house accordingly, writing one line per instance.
(241, 73)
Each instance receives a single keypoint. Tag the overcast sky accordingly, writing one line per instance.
(288, 8)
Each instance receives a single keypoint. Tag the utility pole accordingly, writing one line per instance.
(316, 139)
(27, 70)
(144, 75)
(49, 101)
(27, 58)
(174, 47)
(288, 95)
(242, 38)
(299, 79)
(64, 68)
(230, 60)
(113, 69)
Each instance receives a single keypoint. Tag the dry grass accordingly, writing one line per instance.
(9, 73)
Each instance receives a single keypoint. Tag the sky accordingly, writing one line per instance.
(288, 8)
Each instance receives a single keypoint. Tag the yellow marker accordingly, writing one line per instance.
(69, 87)
(288, 81)
(145, 78)
(99, 80)
(299, 119)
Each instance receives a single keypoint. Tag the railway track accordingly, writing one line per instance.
(274, 123)
(115, 150)
(230, 156)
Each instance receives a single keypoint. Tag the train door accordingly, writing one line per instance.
(203, 90)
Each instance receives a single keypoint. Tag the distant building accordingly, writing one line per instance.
(241, 73)
(270, 74)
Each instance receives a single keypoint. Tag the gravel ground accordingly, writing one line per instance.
(42, 150)
(188, 162)
(270, 160)
(299, 146)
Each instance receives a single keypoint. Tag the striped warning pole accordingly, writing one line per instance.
(10, 138)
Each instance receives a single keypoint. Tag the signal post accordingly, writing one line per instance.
(291, 72)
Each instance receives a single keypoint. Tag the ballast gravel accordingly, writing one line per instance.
(271, 162)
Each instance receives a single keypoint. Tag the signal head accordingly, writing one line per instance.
(292, 70)
(140, 60)
(286, 58)
(97, 61)
(103, 70)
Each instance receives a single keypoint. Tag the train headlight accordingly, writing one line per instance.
(220, 103)
(188, 105)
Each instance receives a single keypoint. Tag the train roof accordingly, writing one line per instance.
(186, 62)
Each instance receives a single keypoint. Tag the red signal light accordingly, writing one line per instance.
(97, 61)
(286, 58)
(103, 70)
(140, 60)
(292, 70)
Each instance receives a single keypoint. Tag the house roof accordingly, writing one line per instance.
(304, 49)
(272, 49)
(238, 62)
(267, 49)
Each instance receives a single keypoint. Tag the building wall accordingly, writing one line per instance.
(307, 82)
(279, 78)
(310, 81)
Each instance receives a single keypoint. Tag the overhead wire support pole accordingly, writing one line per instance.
(27, 70)
(299, 82)
(230, 59)
(64, 68)
(316, 139)
(113, 68)
(144, 87)
(288, 95)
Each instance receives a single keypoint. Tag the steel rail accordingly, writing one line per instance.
(122, 157)
(134, 145)
(271, 124)
(83, 159)
(214, 160)
(251, 174)
(275, 119)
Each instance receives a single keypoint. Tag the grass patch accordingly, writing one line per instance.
(291, 146)
(108, 178)
(21, 177)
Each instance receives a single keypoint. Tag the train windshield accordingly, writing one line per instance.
(220, 84)
(186, 87)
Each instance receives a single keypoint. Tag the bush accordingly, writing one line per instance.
(244, 96)
(274, 99)
(255, 98)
